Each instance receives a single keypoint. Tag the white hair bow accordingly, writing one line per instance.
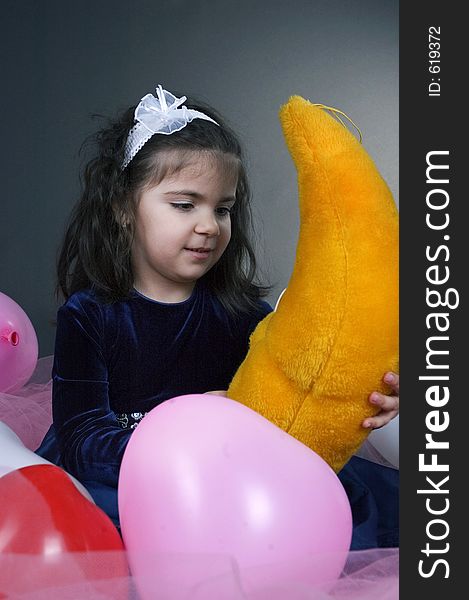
(164, 114)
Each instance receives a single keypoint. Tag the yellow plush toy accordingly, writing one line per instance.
(313, 362)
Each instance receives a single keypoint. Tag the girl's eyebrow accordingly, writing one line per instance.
(197, 195)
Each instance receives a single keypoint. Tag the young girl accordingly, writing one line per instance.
(159, 277)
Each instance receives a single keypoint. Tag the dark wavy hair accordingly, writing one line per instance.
(96, 249)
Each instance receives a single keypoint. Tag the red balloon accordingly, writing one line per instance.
(67, 538)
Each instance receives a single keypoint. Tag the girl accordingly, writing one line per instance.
(159, 278)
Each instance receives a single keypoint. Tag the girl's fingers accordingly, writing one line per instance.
(392, 379)
(380, 419)
(385, 403)
(389, 406)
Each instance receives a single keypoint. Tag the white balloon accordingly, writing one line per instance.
(14, 455)
(386, 441)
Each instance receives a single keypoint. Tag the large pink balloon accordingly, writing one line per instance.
(203, 474)
(18, 345)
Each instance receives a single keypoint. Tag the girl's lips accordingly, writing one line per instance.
(199, 253)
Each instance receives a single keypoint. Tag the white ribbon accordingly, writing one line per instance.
(164, 114)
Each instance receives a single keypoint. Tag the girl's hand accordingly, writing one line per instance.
(218, 393)
(389, 404)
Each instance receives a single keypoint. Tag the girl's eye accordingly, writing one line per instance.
(223, 211)
(182, 206)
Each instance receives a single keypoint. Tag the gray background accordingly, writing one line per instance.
(65, 60)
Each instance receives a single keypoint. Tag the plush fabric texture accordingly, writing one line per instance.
(313, 363)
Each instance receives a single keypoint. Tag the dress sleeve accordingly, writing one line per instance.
(90, 439)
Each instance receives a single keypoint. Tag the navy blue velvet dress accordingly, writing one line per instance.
(115, 362)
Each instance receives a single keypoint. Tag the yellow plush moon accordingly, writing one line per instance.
(313, 362)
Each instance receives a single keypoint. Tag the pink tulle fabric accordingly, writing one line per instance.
(28, 412)
(367, 575)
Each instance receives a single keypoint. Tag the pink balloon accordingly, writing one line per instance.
(203, 474)
(18, 346)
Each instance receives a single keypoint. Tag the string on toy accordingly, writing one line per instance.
(335, 112)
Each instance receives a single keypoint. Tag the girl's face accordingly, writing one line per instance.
(182, 227)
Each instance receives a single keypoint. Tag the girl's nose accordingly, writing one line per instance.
(207, 224)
